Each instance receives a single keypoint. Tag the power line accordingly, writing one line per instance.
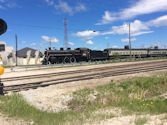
(69, 29)
(37, 26)
(54, 28)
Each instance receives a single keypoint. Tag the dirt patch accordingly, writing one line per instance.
(120, 119)
(4, 120)
(130, 120)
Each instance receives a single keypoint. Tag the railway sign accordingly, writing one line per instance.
(3, 26)
(1, 70)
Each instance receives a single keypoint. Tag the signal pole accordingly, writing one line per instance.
(130, 42)
(16, 48)
(50, 41)
(65, 34)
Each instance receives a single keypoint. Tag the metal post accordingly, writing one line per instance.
(130, 42)
(16, 48)
(1, 87)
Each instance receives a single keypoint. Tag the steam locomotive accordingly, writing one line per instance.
(53, 56)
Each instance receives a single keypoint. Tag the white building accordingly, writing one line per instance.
(25, 56)
(4, 52)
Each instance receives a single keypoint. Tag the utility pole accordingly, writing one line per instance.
(130, 42)
(16, 48)
(65, 34)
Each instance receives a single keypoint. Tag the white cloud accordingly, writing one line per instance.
(80, 7)
(70, 43)
(50, 39)
(45, 38)
(137, 28)
(90, 42)
(107, 18)
(23, 42)
(54, 40)
(8, 4)
(12, 5)
(141, 33)
(139, 8)
(65, 7)
(127, 39)
(160, 21)
(115, 46)
(33, 44)
(87, 34)
(49, 2)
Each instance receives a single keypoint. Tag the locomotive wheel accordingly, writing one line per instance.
(52, 60)
(72, 60)
(66, 60)
(48, 63)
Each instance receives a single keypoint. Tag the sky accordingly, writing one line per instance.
(95, 24)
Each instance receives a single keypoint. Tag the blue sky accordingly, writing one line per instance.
(96, 24)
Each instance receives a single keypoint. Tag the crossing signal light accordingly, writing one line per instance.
(3, 26)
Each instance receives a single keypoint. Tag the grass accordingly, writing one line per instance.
(139, 95)
(140, 121)
(16, 106)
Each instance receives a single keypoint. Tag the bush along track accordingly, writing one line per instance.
(144, 95)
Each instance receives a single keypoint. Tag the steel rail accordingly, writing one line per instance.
(108, 70)
(84, 77)
(73, 72)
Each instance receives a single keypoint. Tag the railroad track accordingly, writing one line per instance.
(75, 72)
(121, 71)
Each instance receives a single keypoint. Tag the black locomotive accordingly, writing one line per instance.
(53, 56)
(71, 56)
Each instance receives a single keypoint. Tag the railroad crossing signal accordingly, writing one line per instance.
(1, 67)
(1, 70)
(3, 26)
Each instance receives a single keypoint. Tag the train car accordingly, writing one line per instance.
(136, 53)
(125, 53)
(157, 52)
(97, 55)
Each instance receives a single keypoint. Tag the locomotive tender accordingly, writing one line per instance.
(52, 56)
